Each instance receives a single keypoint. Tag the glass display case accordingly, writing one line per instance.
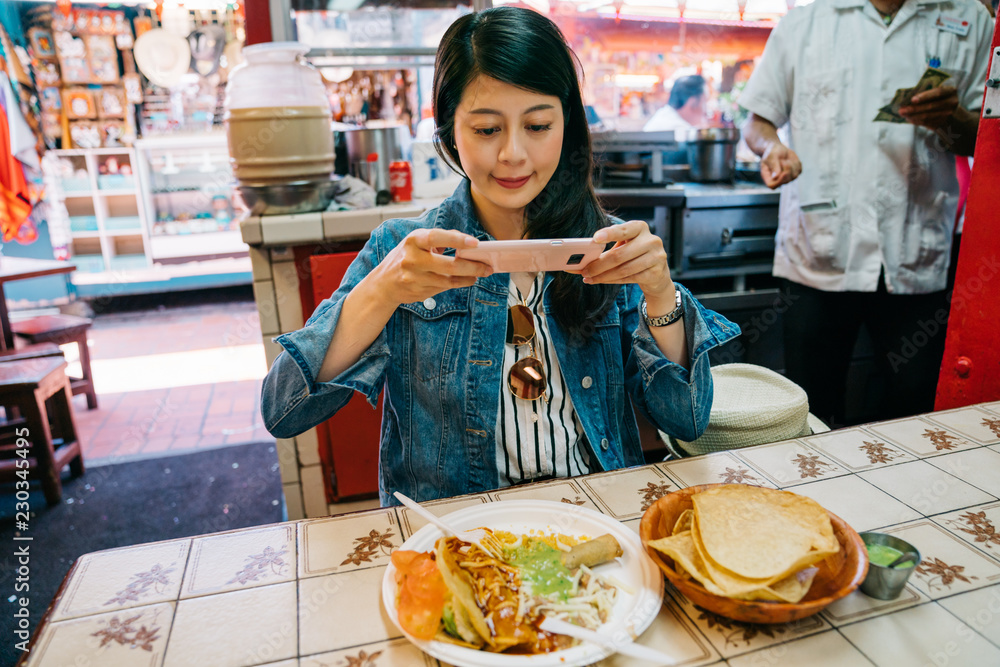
(188, 187)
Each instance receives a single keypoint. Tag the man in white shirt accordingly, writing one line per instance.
(867, 208)
(684, 109)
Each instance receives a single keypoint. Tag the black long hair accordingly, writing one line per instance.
(522, 48)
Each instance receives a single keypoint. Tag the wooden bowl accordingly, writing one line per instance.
(838, 574)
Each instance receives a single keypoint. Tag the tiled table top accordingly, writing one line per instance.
(307, 593)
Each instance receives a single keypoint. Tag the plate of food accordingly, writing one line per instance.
(753, 554)
(467, 608)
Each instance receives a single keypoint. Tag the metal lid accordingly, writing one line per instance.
(720, 134)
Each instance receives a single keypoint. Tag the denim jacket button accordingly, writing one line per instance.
(429, 303)
(586, 382)
(604, 444)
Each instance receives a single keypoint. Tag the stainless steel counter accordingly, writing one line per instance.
(716, 195)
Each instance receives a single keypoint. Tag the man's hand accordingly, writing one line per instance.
(932, 108)
(779, 165)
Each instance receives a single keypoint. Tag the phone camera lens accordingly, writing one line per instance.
(574, 259)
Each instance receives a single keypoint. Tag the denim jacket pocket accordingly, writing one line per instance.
(432, 329)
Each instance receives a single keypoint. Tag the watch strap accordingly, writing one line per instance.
(670, 317)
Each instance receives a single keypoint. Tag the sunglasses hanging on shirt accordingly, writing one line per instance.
(527, 376)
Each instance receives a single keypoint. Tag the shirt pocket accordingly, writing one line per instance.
(956, 53)
(820, 241)
(434, 329)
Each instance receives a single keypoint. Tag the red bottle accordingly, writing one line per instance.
(400, 181)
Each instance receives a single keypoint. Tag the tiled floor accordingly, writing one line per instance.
(171, 380)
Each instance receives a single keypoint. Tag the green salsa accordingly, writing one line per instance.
(880, 554)
(542, 568)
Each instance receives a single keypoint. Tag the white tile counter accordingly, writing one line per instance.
(307, 593)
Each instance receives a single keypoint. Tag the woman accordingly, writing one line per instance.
(473, 400)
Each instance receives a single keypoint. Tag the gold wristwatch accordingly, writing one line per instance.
(671, 317)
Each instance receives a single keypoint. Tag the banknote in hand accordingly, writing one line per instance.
(931, 78)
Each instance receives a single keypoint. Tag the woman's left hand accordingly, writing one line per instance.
(637, 257)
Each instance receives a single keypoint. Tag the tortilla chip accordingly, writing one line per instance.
(758, 534)
(683, 522)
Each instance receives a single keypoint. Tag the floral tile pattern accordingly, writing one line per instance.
(927, 489)
(308, 593)
(979, 425)
(856, 449)
(240, 560)
(410, 522)
(731, 637)
(857, 502)
(347, 543)
(947, 565)
(979, 467)
(560, 491)
(136, 636)
(920, 437)
(245, 627)
(720, 468)
(381, 654)
(348, 601)
(891, 639)
(626, 494)
(122, 578)
(976, 525)
(789, 463)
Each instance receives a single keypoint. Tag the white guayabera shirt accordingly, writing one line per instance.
(871, 194)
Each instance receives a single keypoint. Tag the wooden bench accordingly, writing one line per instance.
(60, 330)
(36, 397)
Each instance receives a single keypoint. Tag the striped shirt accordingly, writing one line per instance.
(538, 438)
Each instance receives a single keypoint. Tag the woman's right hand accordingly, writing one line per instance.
(417, 268)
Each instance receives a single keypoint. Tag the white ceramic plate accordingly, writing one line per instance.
(631, 615)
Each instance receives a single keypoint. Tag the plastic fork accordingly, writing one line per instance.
(628, 648)
(482, 538)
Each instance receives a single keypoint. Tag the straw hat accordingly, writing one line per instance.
(162, 56)
(752, 405)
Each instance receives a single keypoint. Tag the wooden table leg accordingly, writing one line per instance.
(42, 449)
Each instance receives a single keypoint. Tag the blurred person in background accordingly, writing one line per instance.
(867, 208)
(684, 109)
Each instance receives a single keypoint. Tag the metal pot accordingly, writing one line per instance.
(711, 152)
(370, 151)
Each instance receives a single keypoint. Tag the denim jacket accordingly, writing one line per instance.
(439, 362)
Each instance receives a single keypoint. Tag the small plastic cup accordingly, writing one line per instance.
(886, 583)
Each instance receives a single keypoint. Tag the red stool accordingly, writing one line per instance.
(62, 329)
(40, 391)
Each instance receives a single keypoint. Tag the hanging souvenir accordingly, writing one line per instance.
(50, 99)
(65, 7)
(41, 43)
(133, 88)
(111, 103)
(85, 134)
(78, 103)
(72, 58)
(103, 58)
(112, 133)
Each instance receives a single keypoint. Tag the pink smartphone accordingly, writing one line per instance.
(534, 254)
